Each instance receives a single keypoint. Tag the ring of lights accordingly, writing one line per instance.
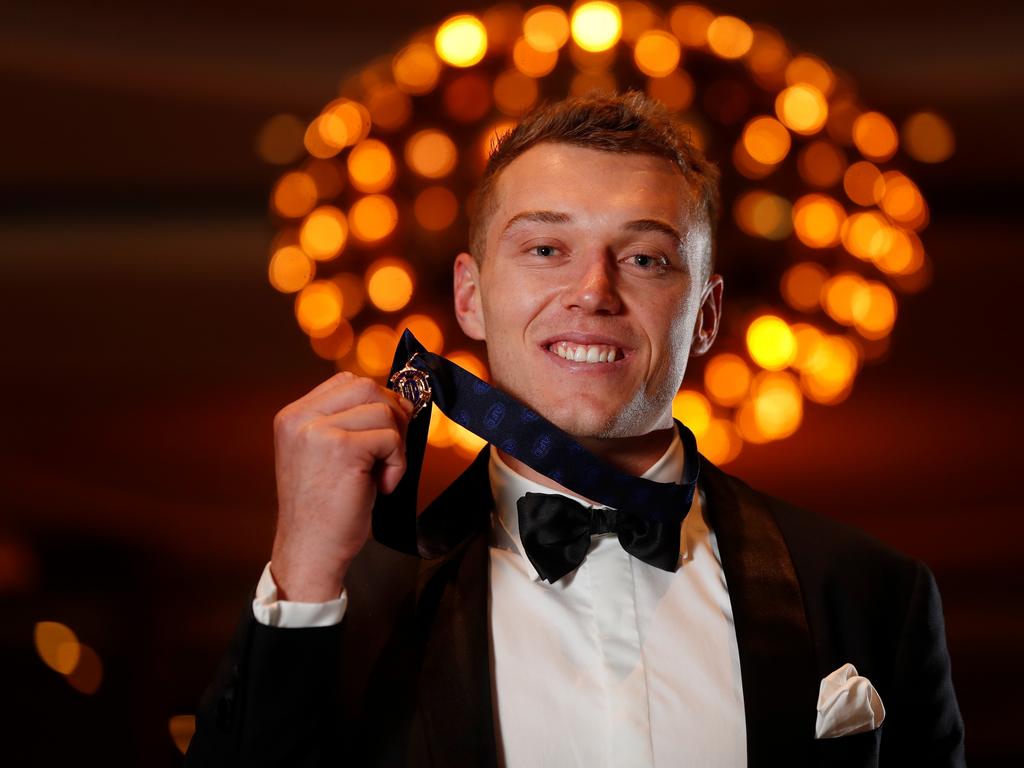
(819, 232)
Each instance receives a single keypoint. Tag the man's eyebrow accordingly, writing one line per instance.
(654, 225)
(540, 217)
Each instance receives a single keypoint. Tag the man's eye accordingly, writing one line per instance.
(647, 262)
(544, 250)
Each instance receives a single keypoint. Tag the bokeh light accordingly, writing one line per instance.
(181, 728)
(818, 220)
(596, 26)
(294, 195)
(763, 214)
(546, 28)
(532, 62)
(928, 138)
(821, 164)
(801, 285)
(689, 22)
(431, 153)
(389, 284)
(802, 108)
(435, 208)
(729, 36)
(875, 136)
(770, 342)
(372, 218)
(318, 307)
(693, 409)
(279, 140)
(727, 379)
(425, 329)
(766, 140)
(57, 645)
(376, 348)
(461, 41)
(657, 53)
(323, 233)
(290, 269)
(416, 68)
(371, 167)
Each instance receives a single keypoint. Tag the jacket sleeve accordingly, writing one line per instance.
(929, 730)
(275, 700)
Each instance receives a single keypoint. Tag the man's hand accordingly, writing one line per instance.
(335, 448)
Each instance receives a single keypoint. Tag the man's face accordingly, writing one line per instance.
(591, 292)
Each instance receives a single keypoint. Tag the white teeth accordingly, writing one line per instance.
(584, 353)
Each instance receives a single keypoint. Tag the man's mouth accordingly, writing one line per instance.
(585, 353)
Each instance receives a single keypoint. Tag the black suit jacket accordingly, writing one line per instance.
(405, 678)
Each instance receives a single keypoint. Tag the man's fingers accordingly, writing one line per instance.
(349, 393)
(367, 416)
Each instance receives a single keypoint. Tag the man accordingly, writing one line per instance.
(774, 637)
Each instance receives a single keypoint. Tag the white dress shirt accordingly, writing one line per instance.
(616, 664)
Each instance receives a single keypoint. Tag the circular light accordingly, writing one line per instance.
(373, 218)
(596, 26)
(431, 153)
(352, 294)
(88, 672)
(821, 164)
(530, 61)
(729, 37)
(867, 235)
(435, 208)
(763, 214)
(323, 233)
(875, 136)
(777, 403)
(546, 28)
(801, 285)
(766, 140)
(771, 342)
(874, 310)
(318, 308)
(694, 410)
(810, 70)
(838, 293)
(371, 168)
(425, 329)
(727, 379)
(860, 182)
(802, 108)
(818, 220)
(828, 376)
(514, 92)
(416, 69)
(657, 53)
(290, 269)
(57, 646)
(461, 40)
(336, 344)
(390, 107)
(721, 442)
(928, 137)
(389, 284)
(375, 349)
(675, 90)
(294, 195)
(468, 97)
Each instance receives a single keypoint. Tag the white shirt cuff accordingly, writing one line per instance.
(294, 615)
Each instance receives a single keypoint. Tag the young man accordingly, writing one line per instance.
(590, 279)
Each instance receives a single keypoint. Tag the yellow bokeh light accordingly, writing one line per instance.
(376, 349)
(514, 92)
(766, 140)
(867, 235)
(764, 214)
(727, 379)
(777, 404)
(675, 90)
(874, 310)
(596, 26)
(373, 218)
(808, 340)
(821, 164)
(546, 28)
(57, 646)
(435, 208)
(860, 182)
(425, 329)
(657, 53)
(838, 293)
(875, 136)
(280, 139)
(801, 285)
(389, 284)
(689, 22)
(828, 375)
(770, 342)
(182, 728)
(431, 153)
(461, 40)
(371, 167)
(336, 344)
(694, 410)
(818, 220)
(290, 269)
(416, 68)
(318, 308)
(810, 70)
(532, 62)
(729, 37)
(88, 672)
(721, 442)
(323, 233)
(802, 108)
(928, 137)
(294, 195)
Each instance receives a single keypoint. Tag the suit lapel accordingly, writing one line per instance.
(777, 663)
(454, 681)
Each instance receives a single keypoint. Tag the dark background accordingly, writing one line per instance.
(144, 353)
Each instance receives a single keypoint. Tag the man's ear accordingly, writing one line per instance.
(706, 328)
(468, 308)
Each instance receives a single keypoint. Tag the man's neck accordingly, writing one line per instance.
(634, 455)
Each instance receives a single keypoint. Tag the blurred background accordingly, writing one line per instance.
(149, 338)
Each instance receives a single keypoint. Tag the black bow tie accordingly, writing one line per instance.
(556, 530)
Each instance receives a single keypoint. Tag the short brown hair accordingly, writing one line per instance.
(611, 122)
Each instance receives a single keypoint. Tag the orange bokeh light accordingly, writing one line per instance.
(290, 269)
(371, 167)
(875, 136)
(431, 153)
(389, 284)
(372, 218)
(657, 53)
(727, 379)
(818, 220)
(323, 233)
(766, 140)
(802, 108)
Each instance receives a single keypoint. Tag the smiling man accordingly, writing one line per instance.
(700, 623)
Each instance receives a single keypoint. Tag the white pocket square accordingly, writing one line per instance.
(847, 704)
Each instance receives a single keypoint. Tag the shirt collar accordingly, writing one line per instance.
(508, 486)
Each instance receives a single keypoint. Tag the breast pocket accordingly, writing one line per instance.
(860, 750)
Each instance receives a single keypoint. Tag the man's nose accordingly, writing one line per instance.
(592, 288)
